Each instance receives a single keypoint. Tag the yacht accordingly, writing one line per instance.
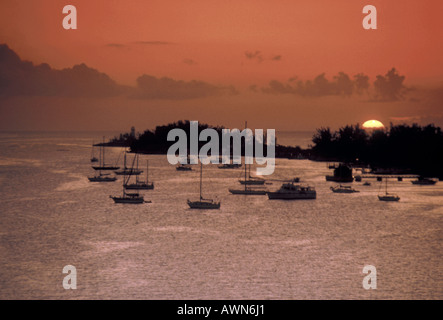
(343, 189)
(424, 181)
(292, 191)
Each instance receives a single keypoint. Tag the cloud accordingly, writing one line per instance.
(115, 45)
(154, 43)
(256, 56)
(189, 62)
(386, 88)
(389, 87)
(23, 78)
(150, 87)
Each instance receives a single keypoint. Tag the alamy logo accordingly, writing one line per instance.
(209, 153)
(70, 281)
(370, 281)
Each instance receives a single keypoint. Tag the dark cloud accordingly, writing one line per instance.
(386, 88)
(22, 78)
(150, 87)
(189, 62)
(256, 56)
(116, 45)
(19, 77)
(154, 43)
(389, 87)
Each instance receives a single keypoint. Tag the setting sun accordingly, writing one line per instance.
(373, 124)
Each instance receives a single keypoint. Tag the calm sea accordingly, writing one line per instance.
(252, 248)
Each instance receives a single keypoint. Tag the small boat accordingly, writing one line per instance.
(424, 181)
(203, 203)
(388, 196)
(291, 191)
(130, 198)
(183, 167)
(343, 189)
(141, 185)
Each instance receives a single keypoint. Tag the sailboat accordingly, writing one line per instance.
(93, 158)
(128, 198)
(102, 165)
(128, 171)
(141, 185)
(251, 180)
(388, 196)
(203, 203)
(248, 190)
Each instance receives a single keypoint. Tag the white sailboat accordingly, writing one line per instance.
(388, 196)
(203, 203)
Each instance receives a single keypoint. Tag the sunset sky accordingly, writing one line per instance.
(225, 62)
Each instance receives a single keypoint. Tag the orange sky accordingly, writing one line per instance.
(311, 36)
(207, 40)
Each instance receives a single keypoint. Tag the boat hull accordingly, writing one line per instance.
(128, 172)
(292, 196)
(105, 168)
(128, 200)
(139, 186)
(424, 183)
(388, 198)
(252, 182)
(203, 205)
(98, 179)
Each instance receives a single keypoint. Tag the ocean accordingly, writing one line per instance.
(51, 216)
